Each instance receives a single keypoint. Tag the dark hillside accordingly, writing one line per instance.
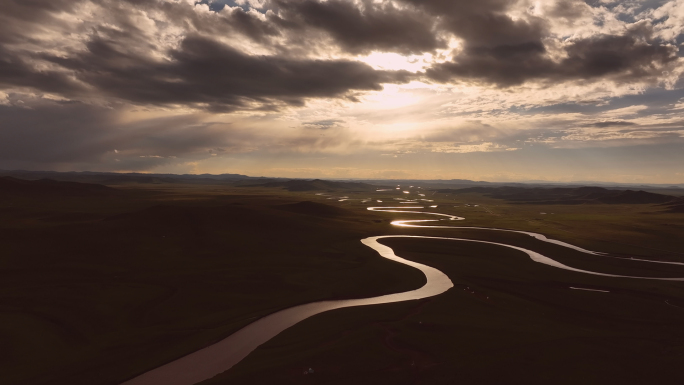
(635, 197)
(316, 184)
(578, 195)
(49, 187)
(111, 178)
(675, 206)
(315, 209)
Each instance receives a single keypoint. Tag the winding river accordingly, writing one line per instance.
(217, 358)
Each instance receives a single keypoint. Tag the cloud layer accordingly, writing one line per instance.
(170, 83)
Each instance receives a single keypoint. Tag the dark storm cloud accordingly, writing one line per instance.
(618, 58)
(372, 26)
(623, 56)
(504, 65)
(16, 72)
(17, 18)
(119, 60)
(483, 23)
(120, 56)
(503, 51)
(497, 48)
(250, 25)
(205, 72)
(355, 28)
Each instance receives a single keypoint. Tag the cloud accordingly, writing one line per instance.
(611, 123)
(36, 132)
(364, 26)
(202, 72)
(16, 72)
(324, 124)
(466, 148)
(569, 9)
(467, 132)
(622, 59)
(174, 83)
(126, 60)
(284, 53)
(483, 23)
(39, 131)
(20, 18)
(620, 137)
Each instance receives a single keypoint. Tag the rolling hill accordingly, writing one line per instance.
(316, 185)
(49, 187)
(579, 195)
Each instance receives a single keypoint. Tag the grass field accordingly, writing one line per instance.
(98, 289)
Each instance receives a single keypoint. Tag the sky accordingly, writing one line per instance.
(496, 90)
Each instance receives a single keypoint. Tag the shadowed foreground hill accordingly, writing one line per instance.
(97, 289)
(317, 184)
(114, 178)
(49, 187)
(676, 206)
(108, 289)
(578, 195)
(315, 209)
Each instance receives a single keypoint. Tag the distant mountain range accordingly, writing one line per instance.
(49, 187)
(560, 195)
(112, 178)
(11, 186)
(316, 185)
(437, 183)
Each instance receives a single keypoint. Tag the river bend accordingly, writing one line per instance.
(223, 355)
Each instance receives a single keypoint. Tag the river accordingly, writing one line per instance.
(217, 358)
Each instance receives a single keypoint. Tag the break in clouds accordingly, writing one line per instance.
(178, 85)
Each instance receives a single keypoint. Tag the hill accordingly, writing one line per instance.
(112, 178)
(579, 195)
(316, 184)
(675, 206)
(314, 209)
(49, 187)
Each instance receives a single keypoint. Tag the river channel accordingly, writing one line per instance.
(217, 358)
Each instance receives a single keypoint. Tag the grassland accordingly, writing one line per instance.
(97, 289)
(508, 320)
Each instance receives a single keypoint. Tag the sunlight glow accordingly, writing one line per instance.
(396, 62)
